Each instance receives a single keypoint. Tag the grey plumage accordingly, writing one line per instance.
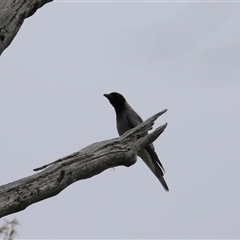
(127, 118)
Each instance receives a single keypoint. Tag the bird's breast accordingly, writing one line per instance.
(122, 125)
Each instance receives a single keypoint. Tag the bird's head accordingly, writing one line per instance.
(117, 100)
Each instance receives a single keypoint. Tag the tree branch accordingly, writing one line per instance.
(83, 164)
(12, 16)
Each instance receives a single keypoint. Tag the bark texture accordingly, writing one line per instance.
(83, 164)
(12, 16)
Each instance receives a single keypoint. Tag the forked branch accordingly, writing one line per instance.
(83, 164)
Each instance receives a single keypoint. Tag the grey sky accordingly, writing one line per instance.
(180, 56)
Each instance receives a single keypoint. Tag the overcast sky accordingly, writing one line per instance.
(181, 56)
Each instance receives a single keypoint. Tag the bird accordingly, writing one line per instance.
(126, 119)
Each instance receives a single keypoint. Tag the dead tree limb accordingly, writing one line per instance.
(12, 16)
(88, 162)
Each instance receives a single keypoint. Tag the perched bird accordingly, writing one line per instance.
(127, 118)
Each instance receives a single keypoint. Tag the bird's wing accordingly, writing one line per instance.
(150, 149)
(133, 118)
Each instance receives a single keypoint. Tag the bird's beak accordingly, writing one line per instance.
(107, 96)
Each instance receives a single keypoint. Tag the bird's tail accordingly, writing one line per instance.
(160, 177)
(154, 167)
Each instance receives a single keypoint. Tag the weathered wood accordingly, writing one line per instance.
(83, 164)
(12, 16)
